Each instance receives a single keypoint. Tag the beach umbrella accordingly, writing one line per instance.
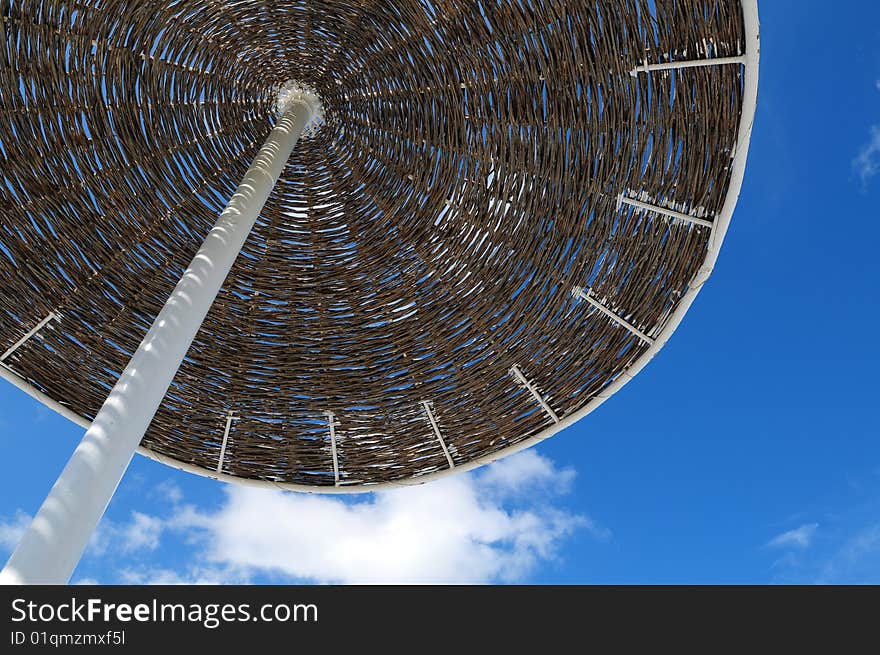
(447, 230)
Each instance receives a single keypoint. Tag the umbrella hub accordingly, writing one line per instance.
(294, 92)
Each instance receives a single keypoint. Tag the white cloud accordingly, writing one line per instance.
(141, 575)
(857, 561)
(798, 538)
(11, 530)
(527, 472)
(496, 524)
(169, 491)
(867, 163)
(86, 581)
(143, 532)
(493, 525)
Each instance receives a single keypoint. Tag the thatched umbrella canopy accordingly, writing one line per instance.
(504, 214)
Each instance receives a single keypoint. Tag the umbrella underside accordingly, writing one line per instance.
(501, 216)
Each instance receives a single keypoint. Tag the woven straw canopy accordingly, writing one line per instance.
(505, 213)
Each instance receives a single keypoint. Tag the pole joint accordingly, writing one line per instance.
(292, 94)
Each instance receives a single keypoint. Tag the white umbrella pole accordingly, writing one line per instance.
(54, 542)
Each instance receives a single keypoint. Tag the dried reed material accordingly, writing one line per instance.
(422, 247)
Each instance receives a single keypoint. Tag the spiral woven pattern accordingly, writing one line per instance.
(453, 263)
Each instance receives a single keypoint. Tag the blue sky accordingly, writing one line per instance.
(748, 451)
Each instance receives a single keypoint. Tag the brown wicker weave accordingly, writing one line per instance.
(436, 272)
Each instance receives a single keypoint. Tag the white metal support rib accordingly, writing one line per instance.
(18, 344)
(331, 422)
(586, 294)
(693, 63)
(518, 374)
(433, 421)
(624, 200)
(230, 417)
